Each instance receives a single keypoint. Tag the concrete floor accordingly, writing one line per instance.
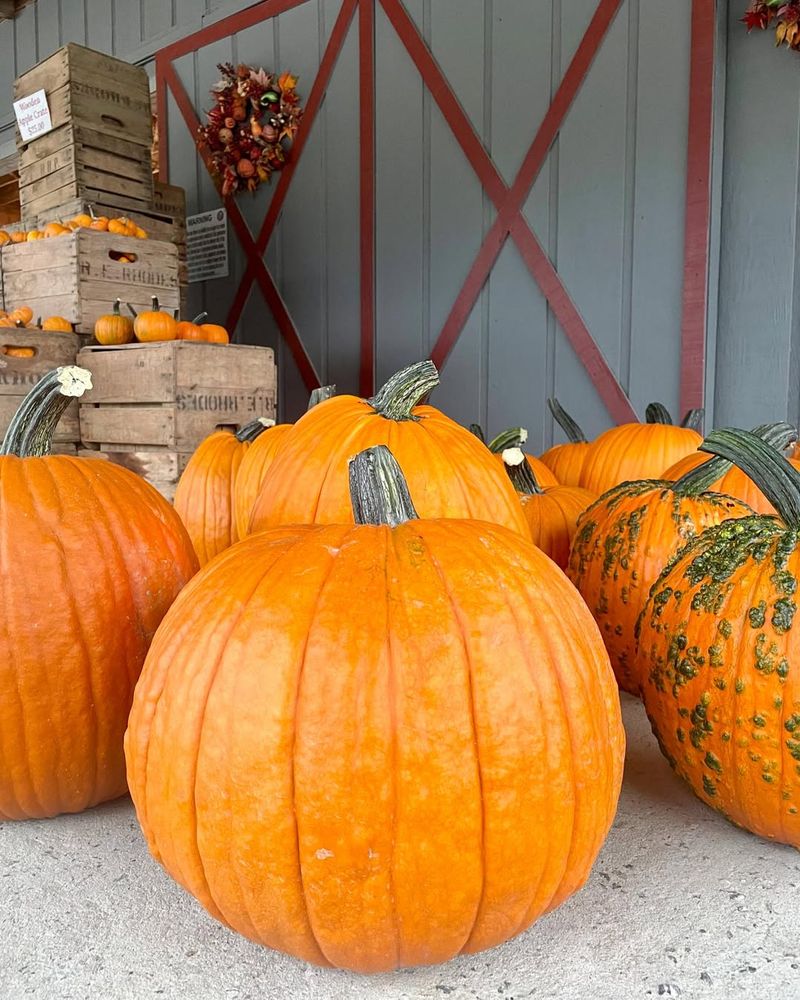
(680, 904)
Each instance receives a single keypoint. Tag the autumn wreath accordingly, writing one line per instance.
(785, 16)
(250, 129)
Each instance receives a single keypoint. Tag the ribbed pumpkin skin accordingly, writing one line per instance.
(92, 559)
(720, 649)
(376, 748)
(255, 463)
(622, 544)
(205, 499)
(552, 518)
(734, 483)
(632, 452)
(566, 461)
(450, 472)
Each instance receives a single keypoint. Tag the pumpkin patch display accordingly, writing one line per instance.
(92, 559)
(566, 461)
(552, 513)
(634, 452)
(113, 328)
(205, 497)
(373, 745)
(257, 460)
(720, 651)
(624, 541)
(452, 474)
(154, 324)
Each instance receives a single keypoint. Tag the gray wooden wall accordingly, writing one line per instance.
(608, 206)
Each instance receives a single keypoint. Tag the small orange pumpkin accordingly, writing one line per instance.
(19, 352)
(140, 234)
(215, 334)
(33, 235)
(190, 329)
(100, 223)
(153, 325)
(55, 229)
(113, 328)
(22, 314)
(57, 324)
(19, 237)
(81, 221)
(4, 237)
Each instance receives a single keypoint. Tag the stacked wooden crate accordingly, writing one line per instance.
(152, 404)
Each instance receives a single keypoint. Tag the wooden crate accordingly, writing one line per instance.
(92, 90)
(75, 162)
(78, 277)
(19, 375)
(167, 397)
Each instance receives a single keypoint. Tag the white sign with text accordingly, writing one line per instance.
(33, 115)
(207, 245)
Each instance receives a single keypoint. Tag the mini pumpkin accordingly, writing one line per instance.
(633, 452)
(113, 328)
(57, 324)
(552, 514)
(154, 324)
(719, 642)
(92, 558)
(452, 473)
(205, 496)
(377, 744)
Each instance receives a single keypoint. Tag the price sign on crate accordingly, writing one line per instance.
(207, 245)
(33, 115)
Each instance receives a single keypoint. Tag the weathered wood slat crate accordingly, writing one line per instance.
(152, 404)
(164, 220)
(80, 275)
(19, 374)
(102, 132)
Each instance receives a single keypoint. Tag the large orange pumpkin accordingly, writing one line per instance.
(452, 474)
(204, 498)
(257, 460)
(552, 514)
(633, 452)
(734, 482)
(719, 642)
(566, 461)
(374, 746)
(624, 541)
(92, 559)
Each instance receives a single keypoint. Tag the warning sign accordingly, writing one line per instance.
(207, 245)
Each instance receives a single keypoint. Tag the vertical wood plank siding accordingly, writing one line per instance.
(608, 206)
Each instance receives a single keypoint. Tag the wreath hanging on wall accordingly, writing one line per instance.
(762, 14)
(250, 129)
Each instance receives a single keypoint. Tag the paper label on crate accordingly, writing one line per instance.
(33, 115)
(207, 245)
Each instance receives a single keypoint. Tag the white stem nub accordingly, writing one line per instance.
(513, 456)
(74, 381)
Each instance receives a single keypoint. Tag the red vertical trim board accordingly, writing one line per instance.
(366, 60)
(698, 205)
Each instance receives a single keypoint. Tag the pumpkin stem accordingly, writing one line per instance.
(574, 434)
(30, 433)
(514, 437)
(199, 318)
(249, 432)
(154, 303)
(698, 480)
(115, 308)
(132, 310)
(775, 477)
(520, 473)
(657, 413)
(693, 419)
(477, 430)
(320, 394)
(398, 396)
(378, 489)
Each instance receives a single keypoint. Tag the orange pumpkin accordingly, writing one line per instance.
(100, 223)
(566, 461)
(20, 236)
(191, 330)
(92, 559)
(57, 324)
(624, 541)
(257, 460)
(452, 474)
(719, 642)
(154, 324)
(22, 314)
(11, 351)
(4, 237)
(204, 498)
(113, 328)
(552, 514)
(377, 745)
(632, 452)
(55, 229)
(734, 482)
(215, 334)
(33, 235)
(81, 221)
